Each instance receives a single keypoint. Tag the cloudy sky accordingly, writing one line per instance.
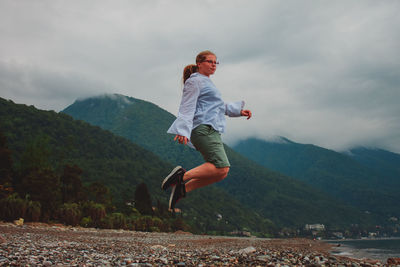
(320, 72)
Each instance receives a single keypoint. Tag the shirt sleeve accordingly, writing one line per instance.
(233, 109)
(184, 121)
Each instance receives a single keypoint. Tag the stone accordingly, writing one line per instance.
(47, 263)
(3, 259)
(164, 260)
(247, 250)
(263, 258)
(128, 261)
(333, 259)
(393, 261)
(19, 222)
(158, 247)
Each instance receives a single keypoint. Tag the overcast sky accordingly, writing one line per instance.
(320, 72)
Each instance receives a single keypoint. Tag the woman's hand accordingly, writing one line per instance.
(245, 113)
(181, 139)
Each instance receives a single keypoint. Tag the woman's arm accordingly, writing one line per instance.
(234, 109)
(182, 126)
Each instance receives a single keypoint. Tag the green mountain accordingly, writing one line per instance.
(350, 179)
(382, 163)
(117, 163)
(137, 120)
(285, 201)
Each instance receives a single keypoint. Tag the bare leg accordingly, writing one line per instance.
(203, 175)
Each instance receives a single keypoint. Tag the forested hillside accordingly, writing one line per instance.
(141, 122)
(284, 200)
(365, 179)
(382, 163)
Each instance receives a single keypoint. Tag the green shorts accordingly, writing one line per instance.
(208, 141)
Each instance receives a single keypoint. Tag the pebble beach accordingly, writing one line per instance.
(39, 244)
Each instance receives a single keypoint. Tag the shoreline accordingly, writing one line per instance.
(362, 239)
(351, 248)
(49, 245)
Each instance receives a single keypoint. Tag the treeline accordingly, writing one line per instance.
(35, 190)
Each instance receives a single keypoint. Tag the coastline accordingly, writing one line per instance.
(361, 239)
(351, 248)
(42, 244)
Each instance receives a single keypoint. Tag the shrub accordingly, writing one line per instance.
(96, 211)
(86, 222)
(12, 207)
(118, 221)
(34, 210)
(148, 224)
(70, 214)
(154, 229)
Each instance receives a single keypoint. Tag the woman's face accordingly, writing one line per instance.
(208, 66)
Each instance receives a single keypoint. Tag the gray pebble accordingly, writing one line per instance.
(47, 263)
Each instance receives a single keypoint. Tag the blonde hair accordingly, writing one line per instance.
(192, 68)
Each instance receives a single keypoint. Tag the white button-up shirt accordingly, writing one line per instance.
(202, 104)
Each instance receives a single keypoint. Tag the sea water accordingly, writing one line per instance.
(378, 249)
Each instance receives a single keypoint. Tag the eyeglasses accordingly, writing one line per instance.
(212, 62)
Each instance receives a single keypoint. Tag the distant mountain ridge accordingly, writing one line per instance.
(383, 163)
(283, 200)
(357, 177)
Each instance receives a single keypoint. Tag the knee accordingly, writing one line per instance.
(223, 172)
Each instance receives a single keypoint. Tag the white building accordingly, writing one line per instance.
(317, 227)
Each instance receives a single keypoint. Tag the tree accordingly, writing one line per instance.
(43, 185)
(38, 178)
(6, 168)
(71, 184)
(162, 210)
(36, 155)
(99, 193)
(143, 199)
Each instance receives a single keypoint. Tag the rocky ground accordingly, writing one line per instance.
(56, 245)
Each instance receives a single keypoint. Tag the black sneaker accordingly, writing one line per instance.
(173, 178)
(178, 192)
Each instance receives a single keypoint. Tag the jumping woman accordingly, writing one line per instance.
(200, 121)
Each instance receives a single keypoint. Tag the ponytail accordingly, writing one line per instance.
(188, 70)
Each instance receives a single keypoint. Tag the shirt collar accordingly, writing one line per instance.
(197, 74)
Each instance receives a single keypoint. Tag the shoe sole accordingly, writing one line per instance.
(171, 197)
(169, 175)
